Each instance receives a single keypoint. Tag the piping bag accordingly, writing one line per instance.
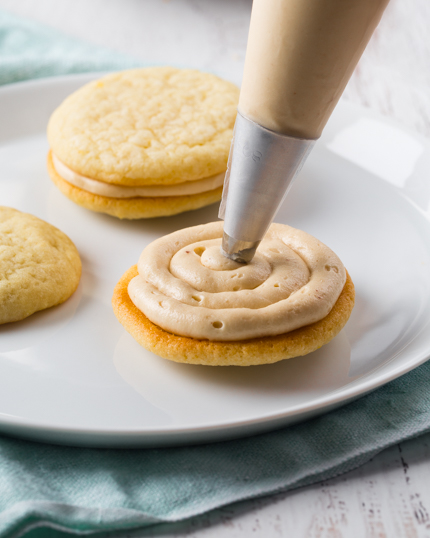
(299, 58)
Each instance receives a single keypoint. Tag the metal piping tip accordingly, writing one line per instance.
(237, 250)
(261, 168)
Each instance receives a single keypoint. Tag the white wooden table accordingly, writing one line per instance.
(390, 495)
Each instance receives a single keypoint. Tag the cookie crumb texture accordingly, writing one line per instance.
(39, 265)
(149, 126)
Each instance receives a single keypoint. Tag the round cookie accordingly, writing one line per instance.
(39, 265)
(312, 285)
(148, 127)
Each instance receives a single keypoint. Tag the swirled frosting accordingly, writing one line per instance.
(187, 287)
(118, 191)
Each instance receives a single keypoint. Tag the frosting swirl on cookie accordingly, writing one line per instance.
(187, 287)
(119, 191)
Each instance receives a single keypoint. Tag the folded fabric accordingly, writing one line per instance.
(49, 491)
(30, 50)
(93, 490)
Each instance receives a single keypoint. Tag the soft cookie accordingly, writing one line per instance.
(144, 142)
(39, 265)
(186, 302)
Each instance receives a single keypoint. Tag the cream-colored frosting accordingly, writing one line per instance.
(187, 287)
(300, 55)
(118, 191)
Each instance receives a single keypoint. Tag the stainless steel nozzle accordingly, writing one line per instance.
(262, 166)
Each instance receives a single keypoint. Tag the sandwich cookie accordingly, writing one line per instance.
(145, 142)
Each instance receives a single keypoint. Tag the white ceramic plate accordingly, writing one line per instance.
(72, 374)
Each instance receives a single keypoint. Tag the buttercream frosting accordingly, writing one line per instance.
(188, 287)
(118, 191)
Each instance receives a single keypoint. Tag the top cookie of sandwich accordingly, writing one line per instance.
(152, 126)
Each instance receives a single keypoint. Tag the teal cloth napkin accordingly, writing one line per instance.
(30, 50)
(48, 491)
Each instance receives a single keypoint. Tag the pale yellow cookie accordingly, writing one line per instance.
(39, 265)
(148, 127)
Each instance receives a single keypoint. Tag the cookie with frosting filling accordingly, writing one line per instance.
(145, 142)
(188, 303)
(40, 267)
